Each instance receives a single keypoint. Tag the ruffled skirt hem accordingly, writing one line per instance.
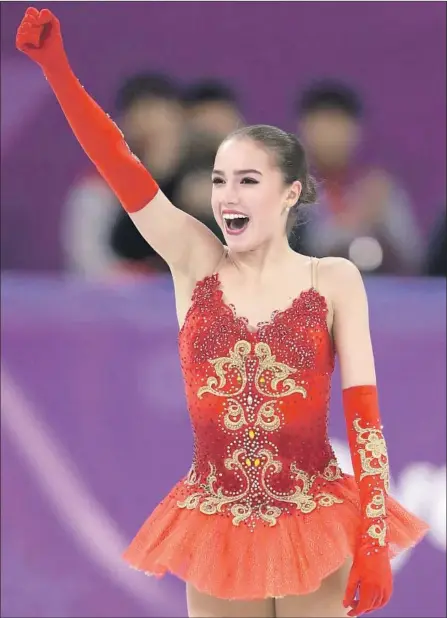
(236, 562)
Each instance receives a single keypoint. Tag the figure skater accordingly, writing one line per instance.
(265, 523)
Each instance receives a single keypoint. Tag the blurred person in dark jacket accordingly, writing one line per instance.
(98, 239)
(212, 111)
(436, 258)
(364, 214)
(193, 189)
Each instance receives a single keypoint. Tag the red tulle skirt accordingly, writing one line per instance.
(234, 562)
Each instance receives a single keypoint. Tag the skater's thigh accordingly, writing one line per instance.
(326, 602)
(201, 605)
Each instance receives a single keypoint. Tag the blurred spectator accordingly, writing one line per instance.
(363, 215)
(193, 190)
(150, 115)
(89, 214)
(212, 112)
(436, 259)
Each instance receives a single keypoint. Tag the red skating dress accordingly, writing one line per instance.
(265, 510)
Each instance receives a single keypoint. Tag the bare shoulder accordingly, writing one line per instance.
(185, 283)
(341, 269)
(340, 278)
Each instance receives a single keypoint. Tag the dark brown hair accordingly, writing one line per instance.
(290, 158)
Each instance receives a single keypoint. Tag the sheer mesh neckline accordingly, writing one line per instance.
(275, 314)
(214, 279)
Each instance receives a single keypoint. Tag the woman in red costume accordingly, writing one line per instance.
(265, 523)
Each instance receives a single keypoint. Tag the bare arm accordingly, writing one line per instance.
(190, 249)
(351, 323)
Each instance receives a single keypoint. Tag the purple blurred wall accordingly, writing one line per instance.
(392, 51)
(95, 432)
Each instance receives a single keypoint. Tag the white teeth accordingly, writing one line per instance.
(232, 216)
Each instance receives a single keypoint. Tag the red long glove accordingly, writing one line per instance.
(370, 579)
(39, 37)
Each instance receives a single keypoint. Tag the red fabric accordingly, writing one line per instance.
(371, 577)
(265, 511)
(39, 37)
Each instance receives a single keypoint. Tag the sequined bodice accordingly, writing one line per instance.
(258, 401)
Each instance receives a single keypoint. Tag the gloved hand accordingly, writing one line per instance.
(39, 37)
(370, 582)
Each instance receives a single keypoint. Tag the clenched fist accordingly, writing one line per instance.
(371, 580)
(39, 37)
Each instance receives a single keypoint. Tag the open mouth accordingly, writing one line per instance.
(235, 223)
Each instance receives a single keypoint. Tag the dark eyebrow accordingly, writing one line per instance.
(239, 172)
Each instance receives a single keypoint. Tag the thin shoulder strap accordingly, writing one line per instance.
(314, 272)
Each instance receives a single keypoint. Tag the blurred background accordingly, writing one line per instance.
(95, 430)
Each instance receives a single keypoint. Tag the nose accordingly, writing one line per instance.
(231, 194)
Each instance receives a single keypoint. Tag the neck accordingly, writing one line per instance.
(265, 260)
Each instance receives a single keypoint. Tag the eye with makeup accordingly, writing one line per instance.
(244, 181)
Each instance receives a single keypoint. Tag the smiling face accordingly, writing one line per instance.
(249, 196)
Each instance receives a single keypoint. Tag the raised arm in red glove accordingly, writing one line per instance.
(185, 244)
(370, 578)
(39, 36)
